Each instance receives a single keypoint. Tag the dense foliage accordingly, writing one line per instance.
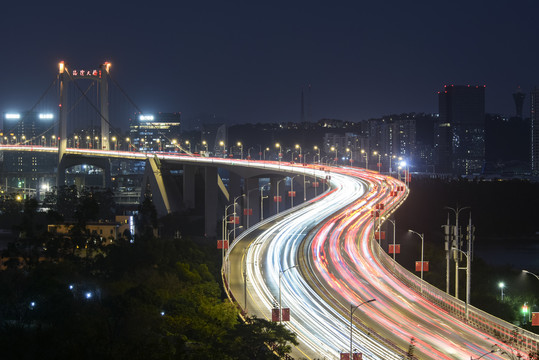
(151, 298)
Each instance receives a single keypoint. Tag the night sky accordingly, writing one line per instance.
(249, 61)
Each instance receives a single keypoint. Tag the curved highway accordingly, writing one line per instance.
(326, 259)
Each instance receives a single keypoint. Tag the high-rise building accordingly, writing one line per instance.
(160, 132)
(534, 117)
(519, 97)
(460, 134)
(24, 169)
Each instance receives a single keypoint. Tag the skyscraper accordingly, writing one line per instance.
(534, 115)
(462, 117)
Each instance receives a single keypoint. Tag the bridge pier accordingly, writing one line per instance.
(189, 172)
(210, 201)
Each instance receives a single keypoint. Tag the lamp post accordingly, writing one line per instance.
(456, 244)
(266, 149)
(300, 154)
(262, 197)
(352, 309)
(366, 158)
(379, 164)
(127, 141)
(318, 149)
(115, 141)
(501, 286)
(278, 195)
(529, 272)
(292, 190)
(235, 203)
(351, 159)
(249, 153)
(188, 143)
(205, 144)
(422, 247)
(281, 273)
(278, 145)
(393, 222)
(334, 148)
(468, 278)
(241, 149)
(223, 145)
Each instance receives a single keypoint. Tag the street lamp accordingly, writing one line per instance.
(222, 143)
(528, 272)
(422, 247)
(262, 197)
(281, 273)
(393, 222)
(351, 159)
(127, 141)
(241, 149)
(456, 245)
(235, 202)
(266, 149)
(292, 195)
(352, 309)
(318, 149)
(115, 142)
(278, 195)
(300, 154)
(379, 161)
(205, 144)
(334, 148)
(278, 145)
(501, 285)
(249, 153)
(366, 158)
(188, 143)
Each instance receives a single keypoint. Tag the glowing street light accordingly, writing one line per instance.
(318, 149)
(241, 149)
(223, 145)
(300, 154)
(501, 285)
(422, 247)
(352, 309)
(188, 143)
(278, 145)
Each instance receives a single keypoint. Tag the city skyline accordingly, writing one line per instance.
(250, 63)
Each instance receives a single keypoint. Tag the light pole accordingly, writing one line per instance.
(278, 195)
(393, 222)
(334, 148)
(262, 197)
(422, 247)
(351, 159)
(223, 145)
(249, 153)
(501, 286)
(318, 149)
(352, 309)
(115, 141)
(205, 144)
(292, 195)
(468, 277)
(188, 143)
(235, 203)
(266, 149)
(281, 273)
(127, 141)
(300, 154)
(241, 149)
(456, 244)
(366, 159)
(529, 272)
(379, 161)
(278, 145)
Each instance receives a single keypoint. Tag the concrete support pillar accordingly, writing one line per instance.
(252, 193)
(189, 186)
(210, 201)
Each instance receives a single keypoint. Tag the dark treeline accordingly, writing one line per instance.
(141, 298)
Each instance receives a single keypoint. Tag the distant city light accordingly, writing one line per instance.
(162, 313)
(70, 287)
(403, 164)
(146, 117)
(32, 304)
(46, 116)
(88, 295)
(13, 116)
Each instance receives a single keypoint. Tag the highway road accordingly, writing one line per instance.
(327, 260)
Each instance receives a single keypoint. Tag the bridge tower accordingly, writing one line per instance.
(102, 77)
